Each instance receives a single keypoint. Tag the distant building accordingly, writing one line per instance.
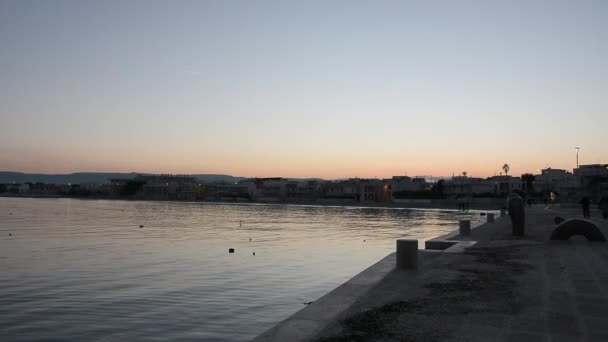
(271, 189)
(361, 190)
(554, 180)
(17, 188)
(593, 180)
(342, 190)
(304, 191)
(405, 183)
(504, 185)
(470, 187)
(168, 187)
(404, 187)
(117, 185)
(223, 191)
(39, 188)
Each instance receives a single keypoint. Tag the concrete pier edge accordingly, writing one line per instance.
(308, 322)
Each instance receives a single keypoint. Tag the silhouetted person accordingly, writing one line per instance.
(460, 202)
(603, 206)
(586, 203)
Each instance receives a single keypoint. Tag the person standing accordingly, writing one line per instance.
(603, 205)
(586, 203)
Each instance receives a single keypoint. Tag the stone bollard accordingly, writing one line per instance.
(490, 218)
(464, 227)
(503, 212)
(516, 207)
(407, 254)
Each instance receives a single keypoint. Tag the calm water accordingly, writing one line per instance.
(85, 270)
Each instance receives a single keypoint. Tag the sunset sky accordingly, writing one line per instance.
(326, 89)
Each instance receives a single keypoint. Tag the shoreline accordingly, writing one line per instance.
(494, 205)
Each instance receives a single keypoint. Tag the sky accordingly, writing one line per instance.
(327, 89)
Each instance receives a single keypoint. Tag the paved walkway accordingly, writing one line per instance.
(500, 289)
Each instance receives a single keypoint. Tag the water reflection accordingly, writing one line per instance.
(86, 270)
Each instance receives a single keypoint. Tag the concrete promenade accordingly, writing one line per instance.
(494, 287)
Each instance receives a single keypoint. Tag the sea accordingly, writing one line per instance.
(103, 270)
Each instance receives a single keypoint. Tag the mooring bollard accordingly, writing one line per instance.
(517, 214)
(464, 227)
(407, 254)
(490, 218)
(503, 212)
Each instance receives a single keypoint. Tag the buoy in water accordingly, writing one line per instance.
(231, 250)
(141, 226)
(249, 239)
(9, 234)
(253, 253)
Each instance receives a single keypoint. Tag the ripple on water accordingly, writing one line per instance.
(76, 270)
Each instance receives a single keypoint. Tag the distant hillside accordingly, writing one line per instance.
(92, 177)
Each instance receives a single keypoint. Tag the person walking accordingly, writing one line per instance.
(586, 203)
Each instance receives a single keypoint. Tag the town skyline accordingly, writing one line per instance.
(274, 175)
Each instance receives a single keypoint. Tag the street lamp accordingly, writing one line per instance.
(578, 172)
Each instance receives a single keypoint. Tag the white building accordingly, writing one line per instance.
(554, 180)
(503, 185)
(468, 186)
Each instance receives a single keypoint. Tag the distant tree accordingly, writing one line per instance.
(464, 173)
(528, 179)
(439, 188)
(506, 169)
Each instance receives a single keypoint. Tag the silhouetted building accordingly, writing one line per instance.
(362, 190)
(303, 191)
(468, 187)
(593, 180)
(341, 190)
(16, 188)
(554, 180)
(222, 191)
(168, 187)
(503, 185)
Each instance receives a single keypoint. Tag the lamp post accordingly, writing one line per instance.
(578, 172)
